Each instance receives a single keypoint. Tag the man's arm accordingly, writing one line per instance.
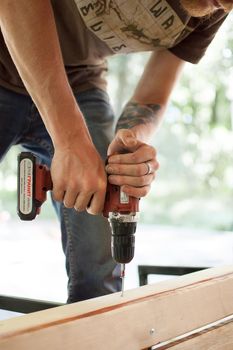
(30, 34)
(141, 118)
(145, 110)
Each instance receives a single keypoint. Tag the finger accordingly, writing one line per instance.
(58, 193)
(82, 201)
(152, 166)
(132, 169)
(136, 181)
(70, 198)
(141, 155)
(97, 203)
(137, 192)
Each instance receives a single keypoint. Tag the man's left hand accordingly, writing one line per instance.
(132, 164)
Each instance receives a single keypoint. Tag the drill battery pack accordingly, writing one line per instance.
(34, 181)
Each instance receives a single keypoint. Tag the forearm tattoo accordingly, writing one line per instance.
(135, 114)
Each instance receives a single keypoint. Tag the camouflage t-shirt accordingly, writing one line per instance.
(91, 30)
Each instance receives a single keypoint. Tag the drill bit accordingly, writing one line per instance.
(122, 279)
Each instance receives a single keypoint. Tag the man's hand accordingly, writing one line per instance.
(79, 178)
(131, 164)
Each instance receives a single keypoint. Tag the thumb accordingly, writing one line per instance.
(124, 140)
(127, 138)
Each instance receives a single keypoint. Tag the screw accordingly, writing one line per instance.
(152, 331)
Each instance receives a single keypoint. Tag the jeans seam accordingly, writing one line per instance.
(32, 115)
(42, 143)
(70, 249)
(28, 120)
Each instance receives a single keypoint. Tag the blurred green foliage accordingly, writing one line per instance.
(194, 186)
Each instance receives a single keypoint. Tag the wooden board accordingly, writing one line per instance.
(144, 317)
(214, 336)
(218, 339)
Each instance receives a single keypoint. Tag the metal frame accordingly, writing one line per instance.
(145, 270)
(25, 305)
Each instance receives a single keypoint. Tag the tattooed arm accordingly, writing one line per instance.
(144, 112)
(129, 151)
(135, 113)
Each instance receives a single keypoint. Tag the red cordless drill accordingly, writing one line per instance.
(34, 181)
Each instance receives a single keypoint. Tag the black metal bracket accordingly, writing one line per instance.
(145, 270)
(25, 305)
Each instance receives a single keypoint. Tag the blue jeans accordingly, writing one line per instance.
(85, 238)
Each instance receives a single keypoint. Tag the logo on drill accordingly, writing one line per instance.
(29, 186)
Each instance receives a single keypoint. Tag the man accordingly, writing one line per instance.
(53, 102)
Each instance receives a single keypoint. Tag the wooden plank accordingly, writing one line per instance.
(218, 336)
(217, 339)
(205, 335)
(170, 308)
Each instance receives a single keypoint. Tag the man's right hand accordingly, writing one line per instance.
(79, 178)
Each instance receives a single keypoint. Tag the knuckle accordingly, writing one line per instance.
(110, 169)
(153, 152)
(134, 157)
(58, 195)
(102, 186)
(138, 182)
(144, 191)
(143, 180)
(117, 169)
(120, 132)
(111, 179)
(147, 147)
(88, 187)
(140, 170)
(72, 185)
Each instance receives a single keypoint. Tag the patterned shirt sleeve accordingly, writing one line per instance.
(193, 47)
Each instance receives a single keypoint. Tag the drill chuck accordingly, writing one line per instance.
(123, 236)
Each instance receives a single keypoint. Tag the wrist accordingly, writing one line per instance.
(68, 139)
(61, 114)
(65, 124)
(71, 133)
